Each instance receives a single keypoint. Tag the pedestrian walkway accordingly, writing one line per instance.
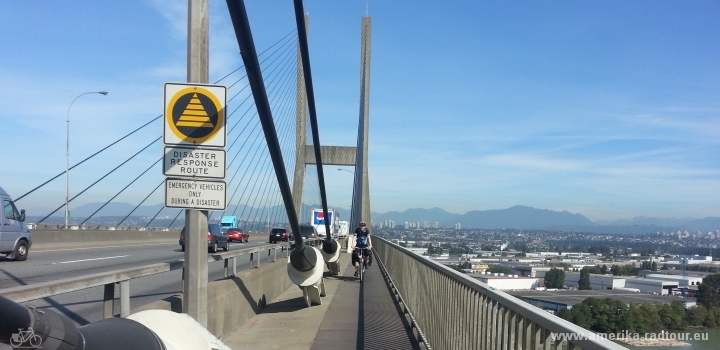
(366, 315)
(363, 316)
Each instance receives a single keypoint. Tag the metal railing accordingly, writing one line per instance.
(459, 312)
(90, 227)
(122, 277)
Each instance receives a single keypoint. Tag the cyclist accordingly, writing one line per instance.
(362, 240)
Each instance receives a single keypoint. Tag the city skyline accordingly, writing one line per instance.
(596, 108)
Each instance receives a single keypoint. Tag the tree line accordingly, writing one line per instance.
(613, 316)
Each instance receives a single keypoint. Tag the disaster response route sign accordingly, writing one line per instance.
(191, 194)
(194, 115)
(194, 162)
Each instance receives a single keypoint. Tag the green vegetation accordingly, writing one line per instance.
(584, 283)
(555, 278)
(460, 267)
(709, 292)
(618, 270)
(613, 316)
(564, 266)
(500, 269)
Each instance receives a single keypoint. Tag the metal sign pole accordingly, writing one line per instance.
(196, 266)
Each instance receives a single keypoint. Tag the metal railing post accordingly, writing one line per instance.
(109, 301)
(125, 298)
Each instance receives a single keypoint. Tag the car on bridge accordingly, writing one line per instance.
(15, 237)
(307, 232)
(279, 235)
(216, 238)
(237, 234)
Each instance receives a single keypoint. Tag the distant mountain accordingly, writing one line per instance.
(645, 221)
(704, 224)
(415, 215)
(517, 217)
(524, 217)
(520, 217)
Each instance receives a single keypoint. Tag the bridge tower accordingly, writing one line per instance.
(338, 155)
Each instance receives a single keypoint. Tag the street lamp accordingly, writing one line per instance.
(346, 170)
(67, 155)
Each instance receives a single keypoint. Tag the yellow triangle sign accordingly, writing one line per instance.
(195, 115)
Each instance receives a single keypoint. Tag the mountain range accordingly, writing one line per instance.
(516, 217)
(528, 218)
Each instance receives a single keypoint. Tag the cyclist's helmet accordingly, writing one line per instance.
(362, 223)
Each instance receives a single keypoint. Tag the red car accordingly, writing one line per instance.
(237, 234)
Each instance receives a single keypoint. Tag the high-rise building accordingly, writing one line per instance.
(436, 225)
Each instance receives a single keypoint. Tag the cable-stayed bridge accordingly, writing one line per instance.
(95, 268)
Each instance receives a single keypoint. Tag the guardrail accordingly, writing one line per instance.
(459, 312)
(122, 277)
(34, 226)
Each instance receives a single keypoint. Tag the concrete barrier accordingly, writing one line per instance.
(233, 301)
(60, 239)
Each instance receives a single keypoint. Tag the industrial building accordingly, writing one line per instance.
(596, 281)
(681, 280)
(561, 299)
(648, 285)
(506, 282)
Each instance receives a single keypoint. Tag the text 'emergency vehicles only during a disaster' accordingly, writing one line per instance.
(191, 194)
(194, 162)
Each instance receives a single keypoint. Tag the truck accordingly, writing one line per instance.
(318, 221)
(343, 228)
(227, 222)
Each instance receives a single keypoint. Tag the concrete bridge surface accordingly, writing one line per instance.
(353, 315)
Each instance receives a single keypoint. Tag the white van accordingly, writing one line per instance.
(15, 238)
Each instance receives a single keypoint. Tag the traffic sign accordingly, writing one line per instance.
(194, 114)
(194, 162)
(194, 194)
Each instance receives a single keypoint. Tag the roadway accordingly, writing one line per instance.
(85, 306)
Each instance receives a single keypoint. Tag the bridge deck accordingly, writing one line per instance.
(353, 314)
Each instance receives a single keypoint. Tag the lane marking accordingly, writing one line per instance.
(109, 257)
(104, 246)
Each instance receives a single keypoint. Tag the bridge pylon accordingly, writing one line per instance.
(355, 156)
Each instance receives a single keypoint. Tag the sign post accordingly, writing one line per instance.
(194, 164)
(194, 118)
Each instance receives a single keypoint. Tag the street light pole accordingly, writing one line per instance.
(346, 170)
(67, 155)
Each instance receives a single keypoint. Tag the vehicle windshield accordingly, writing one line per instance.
(214, 229)
(306, 230)
(278, 230)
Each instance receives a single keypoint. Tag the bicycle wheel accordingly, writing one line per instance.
(362, 271)
(35, 340)
(15, 341)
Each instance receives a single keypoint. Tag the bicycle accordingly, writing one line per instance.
(359, 252)
(17, 339)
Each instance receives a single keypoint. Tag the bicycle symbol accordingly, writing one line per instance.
(17, 339)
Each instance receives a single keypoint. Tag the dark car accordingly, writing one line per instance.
(308, 231)
(237, 234)
(215, 238)
(279, 235)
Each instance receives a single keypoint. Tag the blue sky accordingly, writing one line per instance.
(605, 108)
